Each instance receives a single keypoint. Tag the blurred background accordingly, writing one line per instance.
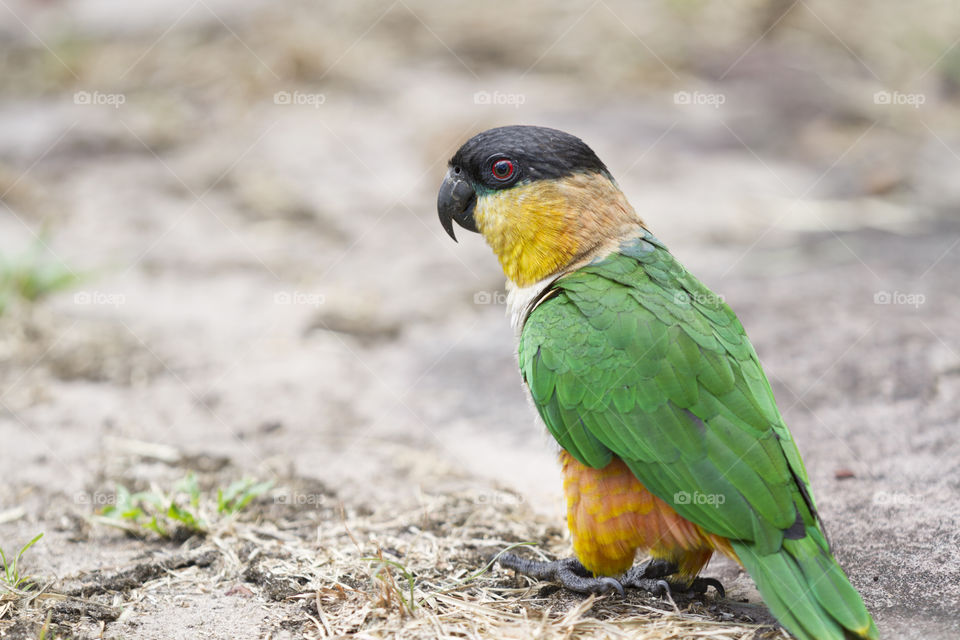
(218, 238)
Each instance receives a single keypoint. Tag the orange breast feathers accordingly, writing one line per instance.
(612, 516)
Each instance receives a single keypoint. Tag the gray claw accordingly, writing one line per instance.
(613, 585)
(569, 573)
(663, 589)
(700, 586)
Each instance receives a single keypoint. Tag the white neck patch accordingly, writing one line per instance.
(520, 301)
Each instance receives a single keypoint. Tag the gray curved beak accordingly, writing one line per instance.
(455, 202)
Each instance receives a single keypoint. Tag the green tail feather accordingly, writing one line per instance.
(807, 591)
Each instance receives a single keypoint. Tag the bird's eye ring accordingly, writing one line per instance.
(502, 169)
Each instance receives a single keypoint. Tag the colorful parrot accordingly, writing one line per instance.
(671, 442)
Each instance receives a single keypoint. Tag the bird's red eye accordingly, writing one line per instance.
(502, 169)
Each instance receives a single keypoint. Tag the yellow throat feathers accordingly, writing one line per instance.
(537, 229)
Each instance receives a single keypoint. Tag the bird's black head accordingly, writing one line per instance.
(506, 156)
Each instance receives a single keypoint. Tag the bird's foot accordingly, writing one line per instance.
(568, 573)
(650, 576)
(699, 587)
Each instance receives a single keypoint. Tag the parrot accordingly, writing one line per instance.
(670, 440)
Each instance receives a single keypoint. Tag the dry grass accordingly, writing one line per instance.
(427, 585)
(328, 569)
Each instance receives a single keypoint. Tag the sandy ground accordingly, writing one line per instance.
(265, 292)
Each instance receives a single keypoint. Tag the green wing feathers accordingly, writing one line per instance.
(806, 589)
(632, 356)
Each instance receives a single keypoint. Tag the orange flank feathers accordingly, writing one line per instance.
(611, 516)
